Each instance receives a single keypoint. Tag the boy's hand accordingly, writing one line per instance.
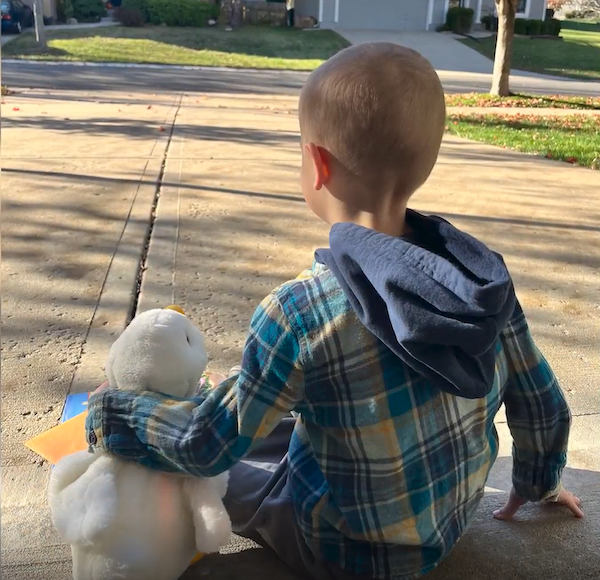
(565, 498)
(216, 379)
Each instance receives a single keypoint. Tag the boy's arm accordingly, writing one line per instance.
(206, 436)
(537, 413)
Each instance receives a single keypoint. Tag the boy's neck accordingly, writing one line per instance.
(386, 220)
(392, 225)
(382, 211)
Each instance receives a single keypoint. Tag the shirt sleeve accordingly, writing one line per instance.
(208, 434)
(537, 413)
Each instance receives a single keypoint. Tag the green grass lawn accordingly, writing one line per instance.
(575, 138)
(520, 101)
(251, 46)
(577, 55)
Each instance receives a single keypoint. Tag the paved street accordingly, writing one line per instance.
(81, 167)
(148, 79)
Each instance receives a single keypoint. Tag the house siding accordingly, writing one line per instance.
(438, 15)
(536, 9)
(48, 5)
(328, 14)
(308, 8)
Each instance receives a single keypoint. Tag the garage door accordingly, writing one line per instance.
(383, 14)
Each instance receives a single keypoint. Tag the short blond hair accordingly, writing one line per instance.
(379, 110)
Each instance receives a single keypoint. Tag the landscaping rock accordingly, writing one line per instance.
(305, 22)
(72, 21)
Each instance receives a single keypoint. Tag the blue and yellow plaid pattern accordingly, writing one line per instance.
(386, 471)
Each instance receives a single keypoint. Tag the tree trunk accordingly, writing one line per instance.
(504, 46)
(40, 29)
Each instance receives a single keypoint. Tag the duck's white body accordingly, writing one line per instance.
(124, 521)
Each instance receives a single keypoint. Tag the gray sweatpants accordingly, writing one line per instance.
(260, 506)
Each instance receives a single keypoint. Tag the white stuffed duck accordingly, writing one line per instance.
(125, 521)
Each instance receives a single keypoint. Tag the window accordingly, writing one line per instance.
(522, 6)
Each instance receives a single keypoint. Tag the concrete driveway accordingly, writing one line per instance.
(4, 38)
(462, 69)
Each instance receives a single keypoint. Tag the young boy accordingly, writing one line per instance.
(395, 351)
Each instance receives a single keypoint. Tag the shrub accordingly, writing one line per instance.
(181, 12)
(520, 26)
(174, 12)
(64, 10)
(555, 27)
(551, 27)
(460, 20)
(130, 17)
(140, 5)
(88, 10)
(534, 27)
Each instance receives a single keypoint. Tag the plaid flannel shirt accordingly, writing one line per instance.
(386, 472)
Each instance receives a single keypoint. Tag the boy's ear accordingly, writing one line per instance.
(321, 164)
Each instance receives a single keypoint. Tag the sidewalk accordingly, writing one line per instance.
(230, 226)
(522, 111)
(78, 187)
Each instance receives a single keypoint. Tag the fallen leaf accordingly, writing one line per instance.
(149, 106)
(161, 128)
(16, 109)
(571, 159)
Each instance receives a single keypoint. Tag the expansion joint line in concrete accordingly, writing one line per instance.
(159, 184)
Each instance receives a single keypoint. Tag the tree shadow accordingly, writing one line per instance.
(250, 40)
(548, 56)
(134, 129)
(148, 79)
(551, 100)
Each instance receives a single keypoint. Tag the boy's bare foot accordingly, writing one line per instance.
(514, 503)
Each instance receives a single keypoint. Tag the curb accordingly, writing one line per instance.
(26, 62)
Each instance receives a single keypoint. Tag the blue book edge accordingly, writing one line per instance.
(74, 405)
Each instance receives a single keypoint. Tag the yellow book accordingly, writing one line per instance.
(66, 438)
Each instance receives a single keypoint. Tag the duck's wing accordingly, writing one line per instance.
(82, 495)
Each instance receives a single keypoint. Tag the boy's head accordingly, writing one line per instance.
(372, 119)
